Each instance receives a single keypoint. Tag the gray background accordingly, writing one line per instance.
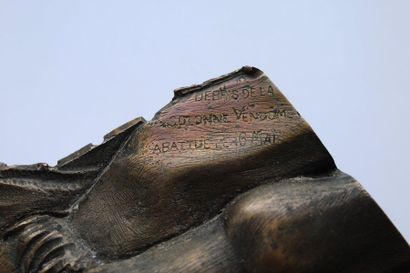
(70, 71)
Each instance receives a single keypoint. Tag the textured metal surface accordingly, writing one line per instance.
(227, 177)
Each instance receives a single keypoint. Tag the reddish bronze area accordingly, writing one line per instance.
(227, 177)
(200, 151)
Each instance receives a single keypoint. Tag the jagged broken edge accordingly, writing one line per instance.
(117, 135)
(247, 70)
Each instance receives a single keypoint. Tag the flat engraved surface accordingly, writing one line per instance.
(235, 118)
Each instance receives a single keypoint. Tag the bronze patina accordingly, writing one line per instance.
(228, 177)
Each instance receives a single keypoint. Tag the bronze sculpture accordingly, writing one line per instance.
(226, 178)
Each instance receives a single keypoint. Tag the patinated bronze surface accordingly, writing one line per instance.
(227, 177)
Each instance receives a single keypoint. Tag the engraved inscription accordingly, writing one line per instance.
(243, 114)
(234, 94)
(225, 119)
(247, 115)
(187, 120)
(241, 139)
